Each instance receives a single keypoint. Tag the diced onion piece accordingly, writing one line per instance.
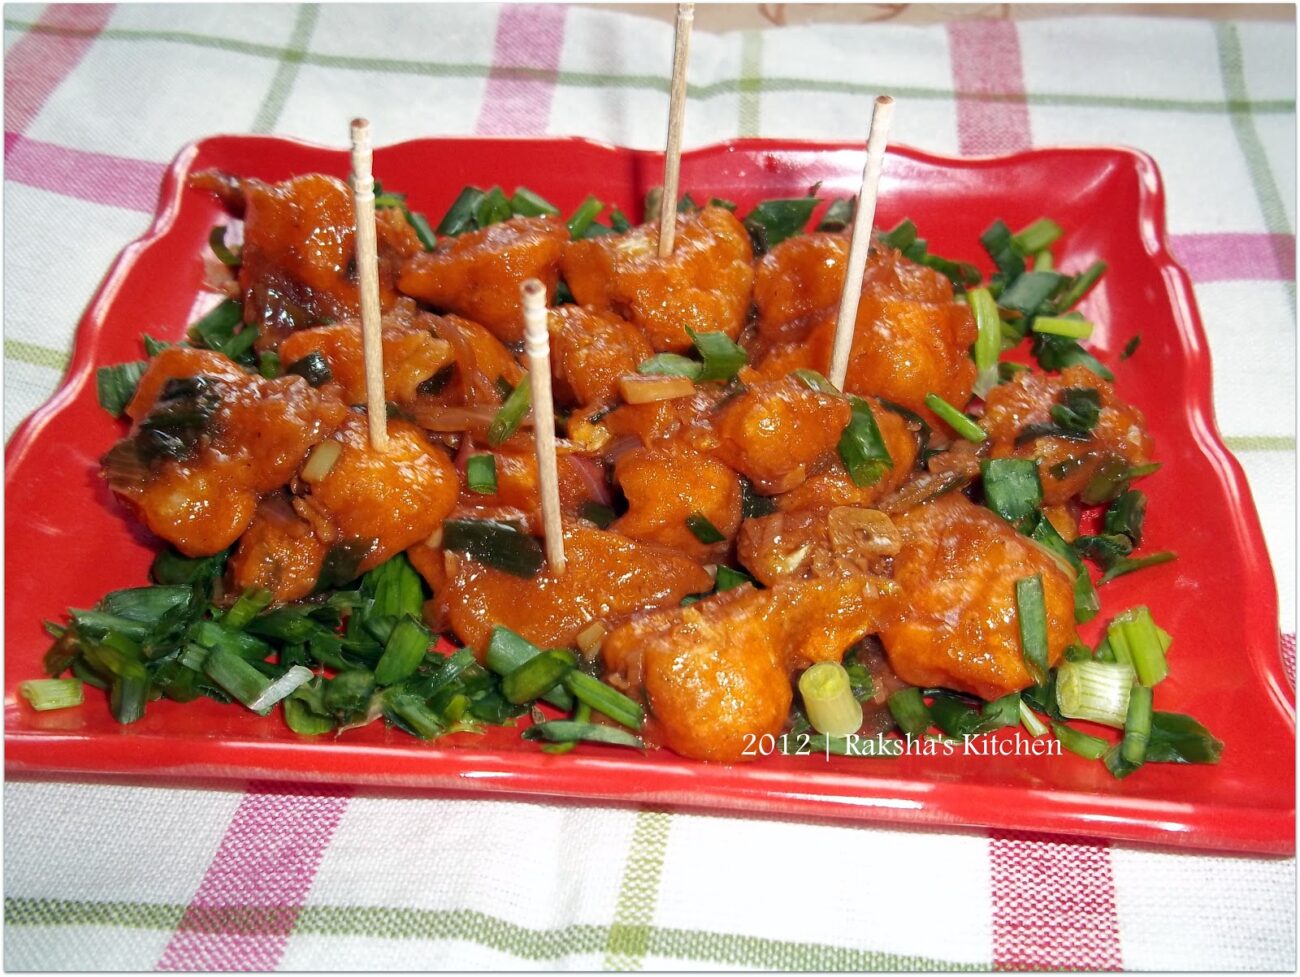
(647, 390)
(590, 637)
(1096, 691)
(828, 698)
(855, 530)
(321, 460)
(435, 539)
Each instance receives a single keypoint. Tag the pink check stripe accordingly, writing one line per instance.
(529, 36)
(1288, 657)
(1236, 257)
(113, 180)
(38, 62)
(988, 127)
(248, 902)
(1053, 904)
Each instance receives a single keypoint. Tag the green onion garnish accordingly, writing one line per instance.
(1029, 719)
(729, 578)
(248, 685)
(460, 216)
(501, 545)
(1126, 515)
(1136, 640)
(997, 241)
(1042, 233)
(1137, 726)
(1086, 603)
(1078, 286)
(1043, 261)
(861, 446)
(1094, 690)
(1012, 490)
(250, 604)
(955, 419)
(511, 414)
(1059, 352)
(814, 381)
(268, 364)
(507, 650)
(839, 214)
(721, 357)
(583, 216)
(988, 341)
(116, 385)
(601, 515)
(217, 242)
(1074, 328)
(828, 699)
(772, 221)
(1089, 747)
(604, 699)
(403, 652)
(481, 474)
(492, 208)
(537, 676)
(525, 203)
(704, 530)
(910, 711)
(570, 731)
(52, 693)
(671, 365)
(1031, 610)
(1176, 738)
(1128, 564)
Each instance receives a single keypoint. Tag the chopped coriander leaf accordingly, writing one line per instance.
(955, 419)
(481, 474)
(115, 385)
(703, 530)
(460, 216)
(773, 221)
(862, 448)
(217, 242)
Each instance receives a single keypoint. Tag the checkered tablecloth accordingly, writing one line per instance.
(104, 876)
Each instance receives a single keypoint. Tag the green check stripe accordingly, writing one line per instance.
(727, 86)
(1253, 442)
(751, 82)
(16, 349)
(492, 932)
(629, 936)
(273, 105)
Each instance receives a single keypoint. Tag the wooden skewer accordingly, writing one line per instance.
(860, 242)
(363, 196)
(676, 112)
(537, 344)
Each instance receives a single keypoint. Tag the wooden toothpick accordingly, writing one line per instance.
(537, 344)
(859, 244)
(363, 196)
(676, 112)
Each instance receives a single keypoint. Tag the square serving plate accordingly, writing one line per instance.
(69, 542)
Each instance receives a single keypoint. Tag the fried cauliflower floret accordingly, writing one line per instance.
(665, 487)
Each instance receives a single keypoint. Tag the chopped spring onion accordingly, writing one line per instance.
(268, 364)
(704, 530)
(507, 650)
(52, 693)
(248, 685)
(251, 603)
(721, 357)
(460, 216)
(814, 381)
(729, 579)
(671, 365)
(772, 221)
(1094, 690)
(216, 330)
(583, 216)
(569, 731)
(604, 699)
(828, 699)
(413, 712)
(481, 474)
(1012, 490)
(647, 390)
(902, 236)
(1128, 565)
(988, 341)
(1029, 719)
(861, 446)
(403, 652)
(1111, 478)
(535, 677)
(601, 515)
(511, 414)
(1088, 747)
(321, 461)
(492, 208)
(1042, 233)
(955, 419)
(1077, 287)
(217, 242)
(1043, 261)
(618, 221)
(281, 687)
(1086, 603)
(501, 545)
(1059, 352)
(1077, 409)
(116, 385)
(910, 711)
(129, 688)
(304, 710)
(525, 203)
(1074, 328)
(1176, 738)
(313, 368)
(839, 214)
(1029, 292)
(1126, 515)
(1135, 640)
(1031, 610)
(997, 241)
(1137, 726)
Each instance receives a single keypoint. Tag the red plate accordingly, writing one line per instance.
(69, 543)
